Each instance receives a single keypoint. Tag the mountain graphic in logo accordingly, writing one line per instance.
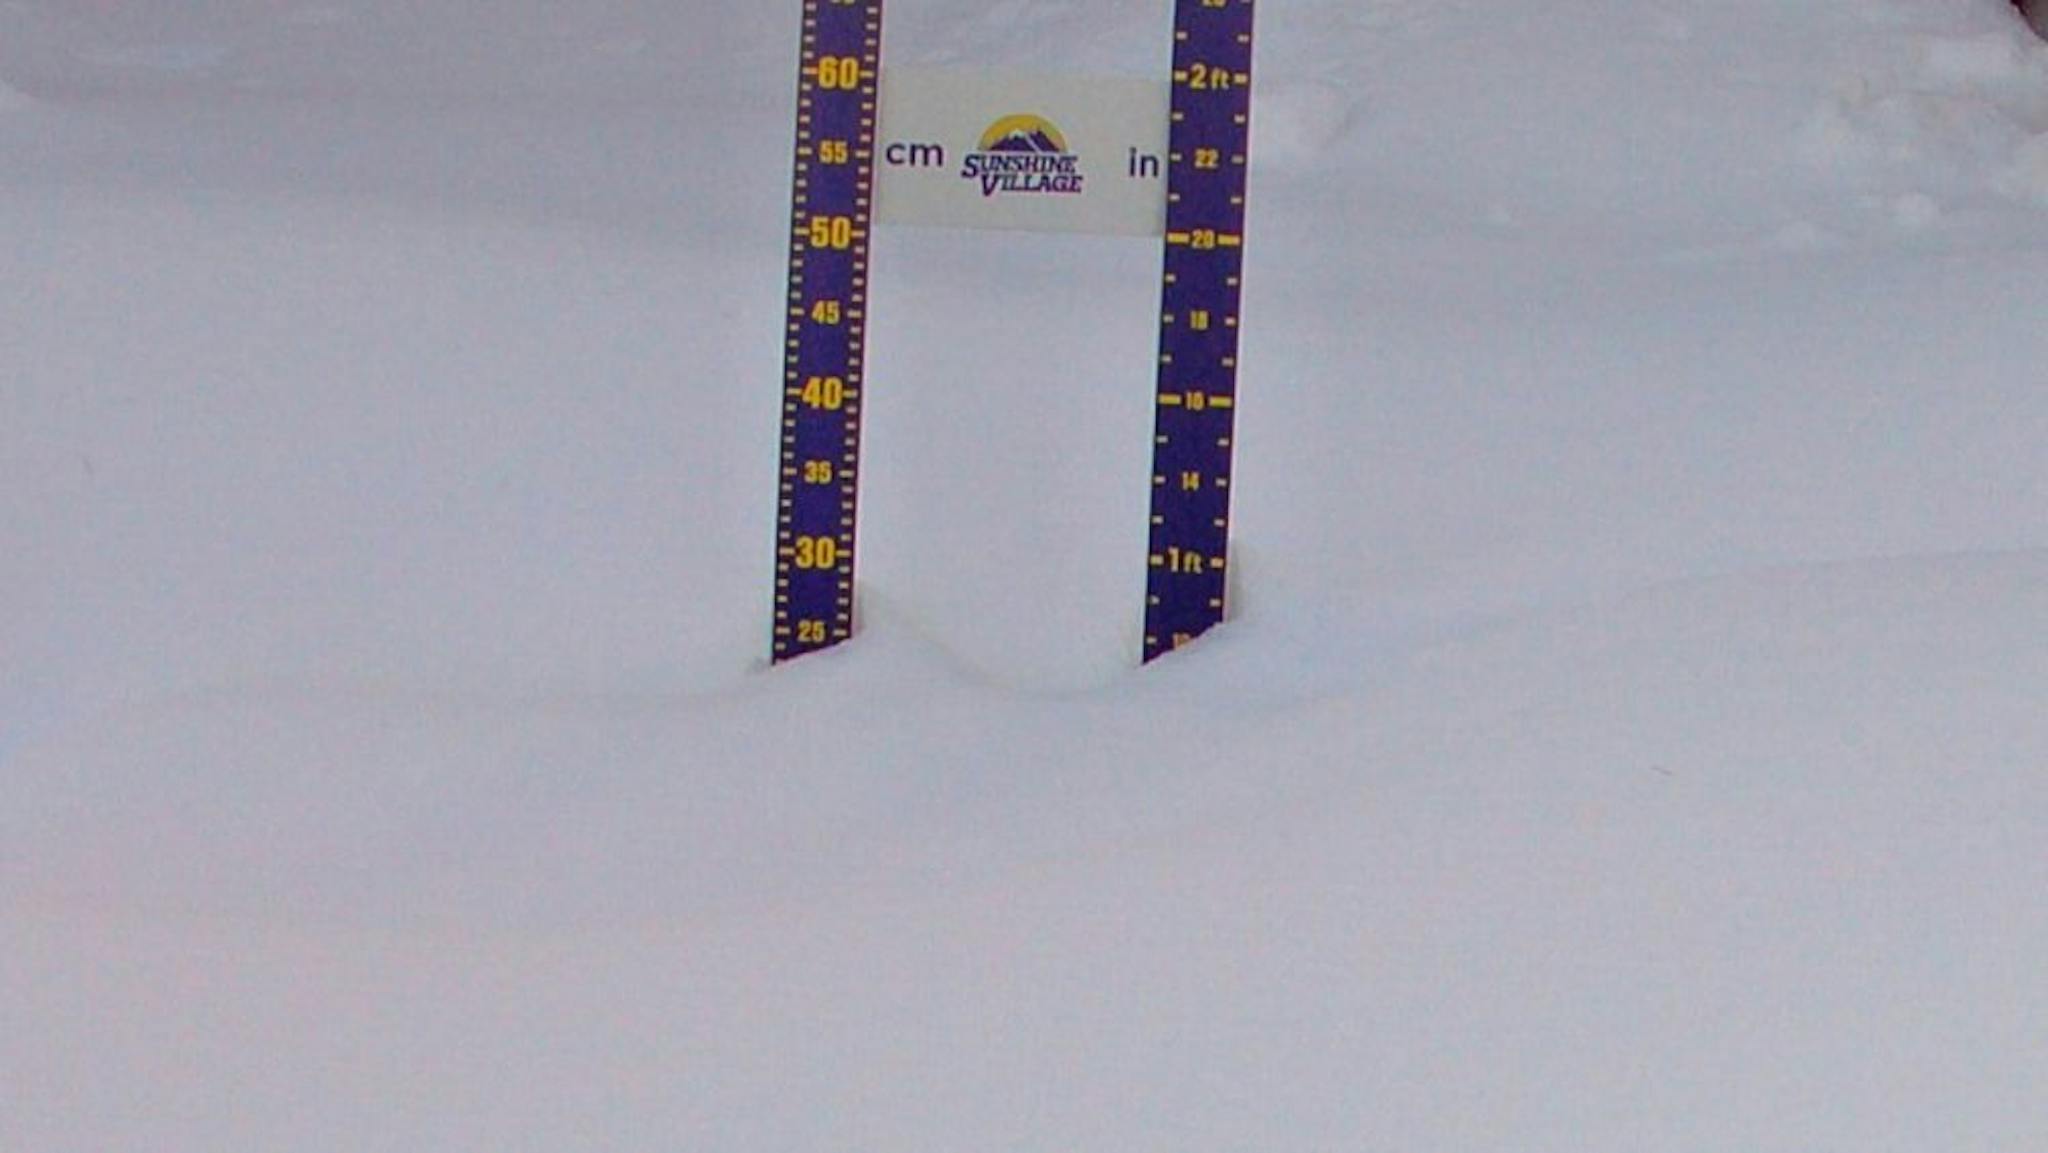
(1023, 133)
(1034, 140)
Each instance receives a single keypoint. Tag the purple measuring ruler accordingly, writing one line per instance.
(1208, 158)
(823, 385)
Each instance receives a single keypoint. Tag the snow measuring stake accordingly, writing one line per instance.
(826, 343)
(1208, 153)
(1074, 154)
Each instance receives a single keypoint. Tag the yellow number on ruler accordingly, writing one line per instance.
(810, 632)
(831, 232)
(834, 151)
(819, 472)
(825, 312)
(839, 72)
(1206, 158)
(816, 552)
(1208, 78)
(826, 392)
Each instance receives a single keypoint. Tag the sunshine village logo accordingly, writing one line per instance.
(1024, 154)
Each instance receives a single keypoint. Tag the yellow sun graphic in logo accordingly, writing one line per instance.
(1023, 133)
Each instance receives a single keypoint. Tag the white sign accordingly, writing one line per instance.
(1016, 151)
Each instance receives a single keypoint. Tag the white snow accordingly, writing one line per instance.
(1633, 734)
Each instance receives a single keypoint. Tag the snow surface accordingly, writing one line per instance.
(1633, 735)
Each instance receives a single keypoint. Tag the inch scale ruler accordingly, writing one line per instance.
(1208, 158)
(822, 380)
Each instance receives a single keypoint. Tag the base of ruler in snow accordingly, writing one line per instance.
(1079, 154)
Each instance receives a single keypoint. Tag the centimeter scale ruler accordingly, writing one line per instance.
(1209, 153)
(822, 377)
